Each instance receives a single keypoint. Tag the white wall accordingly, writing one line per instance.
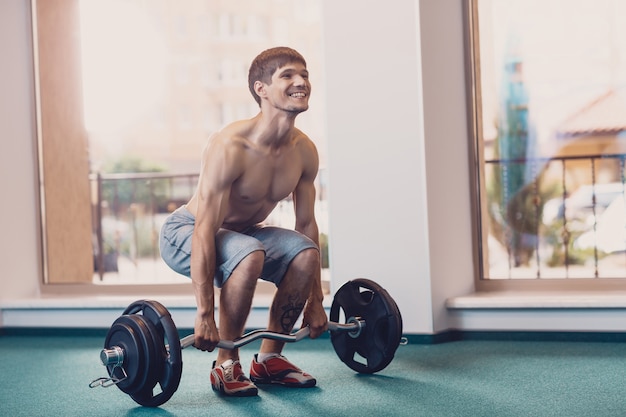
(447, 153)
(398, 152)
(19, 250)
(378, 212)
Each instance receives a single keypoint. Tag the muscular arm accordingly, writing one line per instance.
(220, 169)
(304, 201)
(304, 194)
(304, 205)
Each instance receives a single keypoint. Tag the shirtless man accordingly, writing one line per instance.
(218, 240)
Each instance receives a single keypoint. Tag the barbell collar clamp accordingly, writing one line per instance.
(112, 357)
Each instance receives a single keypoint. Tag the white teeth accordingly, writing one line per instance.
(297, 95)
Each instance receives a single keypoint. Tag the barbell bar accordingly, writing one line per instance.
(138, 359)
(114, 356)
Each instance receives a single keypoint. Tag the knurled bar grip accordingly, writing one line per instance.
(354, 325)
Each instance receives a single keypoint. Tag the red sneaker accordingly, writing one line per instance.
(229, 379)
(278, 370)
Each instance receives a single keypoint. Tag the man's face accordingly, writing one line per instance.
(290, 88)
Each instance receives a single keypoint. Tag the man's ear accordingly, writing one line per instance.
(259, 88)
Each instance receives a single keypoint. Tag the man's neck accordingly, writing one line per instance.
(273, 130)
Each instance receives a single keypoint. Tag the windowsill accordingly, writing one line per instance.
(547, 299)
(74, 310)
(118, 302)
(97, 306)
(114, 295)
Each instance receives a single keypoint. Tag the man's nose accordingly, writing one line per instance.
(299, 80)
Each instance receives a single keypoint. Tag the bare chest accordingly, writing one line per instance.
(267, 180)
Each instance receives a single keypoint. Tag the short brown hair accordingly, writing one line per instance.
(267, 62)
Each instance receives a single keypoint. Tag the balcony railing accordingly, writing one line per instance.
(566, 220)
(129, 210)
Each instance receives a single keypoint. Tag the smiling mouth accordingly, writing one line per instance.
(298, 94)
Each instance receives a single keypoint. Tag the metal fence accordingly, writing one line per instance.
(129, 210)
(570, 214)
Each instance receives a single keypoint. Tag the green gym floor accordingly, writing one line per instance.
(49, 376)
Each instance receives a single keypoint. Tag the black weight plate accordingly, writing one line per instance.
(154, 359)
(375, 347)
(167, 364)
(130, 334)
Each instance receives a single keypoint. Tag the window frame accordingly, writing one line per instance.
(69, 283)
(478, 185)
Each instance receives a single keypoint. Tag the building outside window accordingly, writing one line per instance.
(550, 137)
(157, 79)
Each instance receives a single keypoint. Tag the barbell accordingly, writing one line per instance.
(143, 353)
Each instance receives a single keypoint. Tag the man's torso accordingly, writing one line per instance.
(268, 176)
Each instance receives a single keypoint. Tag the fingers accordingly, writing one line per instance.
(315, 317)
(316, 329)
(314, 334)
(206, 335)
(204, 344)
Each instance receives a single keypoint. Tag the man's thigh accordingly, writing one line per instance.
(281, 247)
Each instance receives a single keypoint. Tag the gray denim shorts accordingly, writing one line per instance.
(280, 247)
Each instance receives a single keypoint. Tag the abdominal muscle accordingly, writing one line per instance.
(240, 215)
(240, 221)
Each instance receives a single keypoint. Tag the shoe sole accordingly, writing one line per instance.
(250, 392)
(269, 381)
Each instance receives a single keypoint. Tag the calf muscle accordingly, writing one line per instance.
(291, 310)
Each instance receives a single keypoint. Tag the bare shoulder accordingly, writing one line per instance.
(308, 152)
(231, 136)
(304, 143)
(224, 156)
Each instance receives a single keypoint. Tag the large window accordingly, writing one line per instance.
(128, 92)
(550, 128)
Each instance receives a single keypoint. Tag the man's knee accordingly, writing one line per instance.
(252, 264)
(306, 263)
